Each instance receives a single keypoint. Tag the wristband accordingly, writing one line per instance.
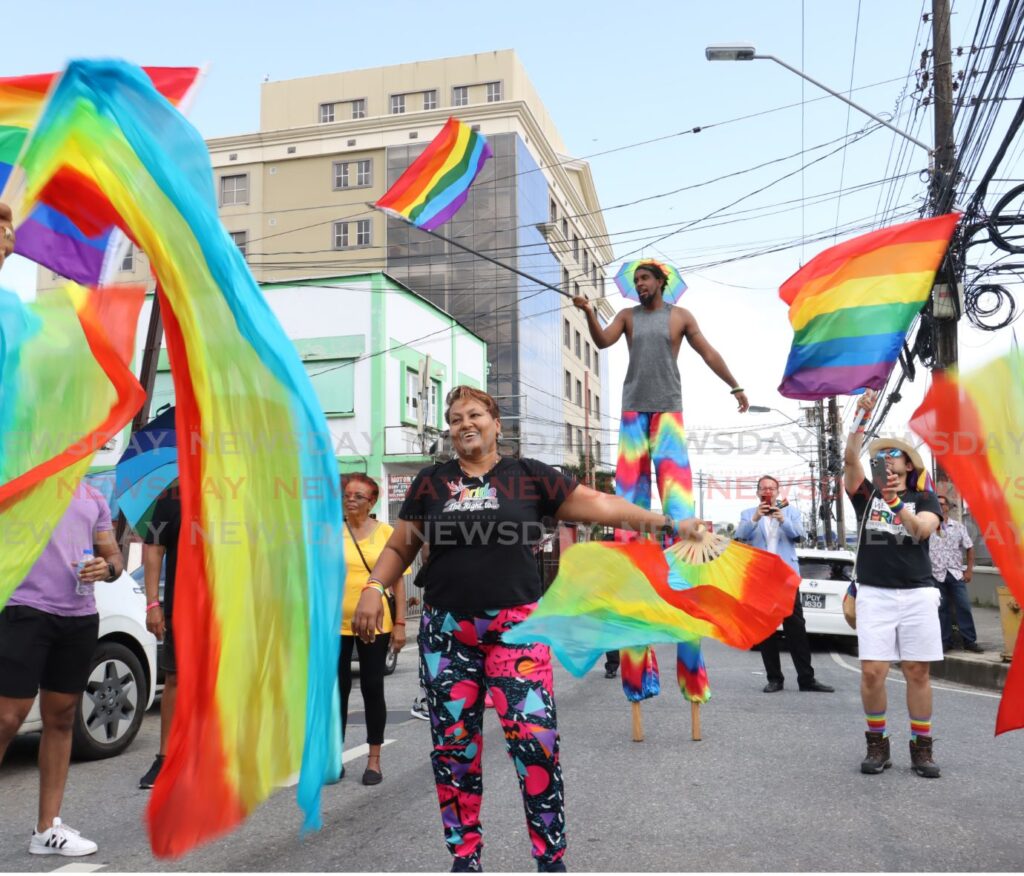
(374, 585)
(736, 389)
(398, 623)
(153, 605)
(896, 505)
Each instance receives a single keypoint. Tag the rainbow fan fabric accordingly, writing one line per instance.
(258, 602)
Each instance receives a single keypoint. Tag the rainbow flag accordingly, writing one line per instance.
(436, 184)
(852, 305)
(972, 422)
(259, 585)
(66, 388)
(47, 236)
(609, 596)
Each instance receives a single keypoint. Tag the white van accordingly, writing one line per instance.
(824, 577)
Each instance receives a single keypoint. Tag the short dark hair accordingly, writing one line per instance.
(655, 270)
(360, 478)
(767, 478)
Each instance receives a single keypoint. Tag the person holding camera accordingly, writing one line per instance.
(897, 601)
(776, 527)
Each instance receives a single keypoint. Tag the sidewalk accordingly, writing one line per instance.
(981, 670)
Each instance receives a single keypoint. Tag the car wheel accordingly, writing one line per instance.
(111, 711)
(390, 662)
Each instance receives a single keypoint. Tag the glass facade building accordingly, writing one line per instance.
(519, 319)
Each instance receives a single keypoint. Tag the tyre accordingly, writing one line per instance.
(390, 662)
(112, 707)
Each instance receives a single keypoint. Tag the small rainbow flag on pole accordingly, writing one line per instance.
(852, 305)
(436, 184)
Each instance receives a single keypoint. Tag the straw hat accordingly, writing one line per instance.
(923, 478)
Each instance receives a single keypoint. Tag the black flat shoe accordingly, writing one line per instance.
(372, 777)
(773, 687)
(817, 687)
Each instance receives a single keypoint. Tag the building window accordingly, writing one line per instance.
(565, 332)
(576, 247)
(600, 284)
(430, 100)
(579, 394)
(597, 359)
(234, 190)
(568, 436)
(397, 104)
(579, 439)
(576, 294)
(359, 108)
(565, 228)
(412, 394)
(340, 233)
(597, 450)
(364, 172)
(593, 273)
(241, 240)
(568, 386)
(565, 279)
(586, 354)
(597, 406)
(590, 399)
(363, 234)
(586, 262)
(326, 113)
(493, 92)
(553, 211)
(341, 175)
(578, 339)
(127, 263)
(460, 95)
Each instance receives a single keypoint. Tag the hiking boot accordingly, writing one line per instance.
(148, 780)
(878, 758)
(921, 758)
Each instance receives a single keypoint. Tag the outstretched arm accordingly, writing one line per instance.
(585, 505)
(853, 471)
(602, 337)
(712, 358)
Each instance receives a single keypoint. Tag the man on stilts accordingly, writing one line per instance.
(652, 430)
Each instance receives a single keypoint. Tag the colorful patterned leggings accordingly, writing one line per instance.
(660, 437)
(461, 655)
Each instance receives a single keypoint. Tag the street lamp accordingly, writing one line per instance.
(764, 409)
(746, 52)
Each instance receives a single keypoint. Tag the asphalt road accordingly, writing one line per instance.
(773, 786)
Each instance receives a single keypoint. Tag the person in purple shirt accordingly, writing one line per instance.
(48, 632)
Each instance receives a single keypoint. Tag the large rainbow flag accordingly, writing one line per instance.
(972, 422)
(66, 388)
(852, 306)
(47, 236)
(436, 184)
(259, 590)
(610, 596)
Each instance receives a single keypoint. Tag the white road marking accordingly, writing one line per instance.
(346, 757)
(79, 867)
(974, 693)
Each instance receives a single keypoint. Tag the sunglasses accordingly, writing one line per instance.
(892, 453)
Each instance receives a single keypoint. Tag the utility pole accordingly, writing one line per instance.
(823, 505)
(836, 470)
(814, 509)
(700, 495)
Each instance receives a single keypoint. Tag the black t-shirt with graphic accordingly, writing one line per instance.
(481, 531)
(164, 529)
(886, 554)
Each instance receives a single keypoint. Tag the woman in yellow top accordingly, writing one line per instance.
(365, 539)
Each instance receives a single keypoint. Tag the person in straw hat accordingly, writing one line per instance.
(897, 602)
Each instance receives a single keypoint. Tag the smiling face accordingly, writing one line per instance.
(648, 287)
(474, 431)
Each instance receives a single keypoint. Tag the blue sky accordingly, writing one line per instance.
(611, 75)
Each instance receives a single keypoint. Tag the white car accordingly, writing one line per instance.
(122, 675)
(824, 577)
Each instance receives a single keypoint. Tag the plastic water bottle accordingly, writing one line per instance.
(84, 588)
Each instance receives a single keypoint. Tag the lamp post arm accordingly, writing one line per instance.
(847, 100)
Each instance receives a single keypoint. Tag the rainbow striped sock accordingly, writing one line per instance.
(920, 727)
(876, 723)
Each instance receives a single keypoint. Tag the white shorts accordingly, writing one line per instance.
(897, 624)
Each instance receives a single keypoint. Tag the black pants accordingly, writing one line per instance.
(611, 661)
(799, 649)
(372, 657)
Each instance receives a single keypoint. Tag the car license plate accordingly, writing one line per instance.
(812, 600)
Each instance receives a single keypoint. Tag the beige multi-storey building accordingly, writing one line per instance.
(295, 196)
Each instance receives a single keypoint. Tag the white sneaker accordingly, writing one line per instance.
(419, 709)
(61, 840)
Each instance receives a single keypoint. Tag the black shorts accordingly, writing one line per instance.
(168, 660)
(43, 650)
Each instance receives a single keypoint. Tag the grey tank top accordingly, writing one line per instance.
(652, 379)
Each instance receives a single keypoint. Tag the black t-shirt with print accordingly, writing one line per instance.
(481, 531)
(886, 554)
(164, 529)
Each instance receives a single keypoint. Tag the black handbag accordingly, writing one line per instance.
(389, 594)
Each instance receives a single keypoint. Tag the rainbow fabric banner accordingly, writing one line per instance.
(260, 565)
(852, 305)
(436, 184)
(47, 236)
(66, 388)
(972, 423)
(609, 596)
